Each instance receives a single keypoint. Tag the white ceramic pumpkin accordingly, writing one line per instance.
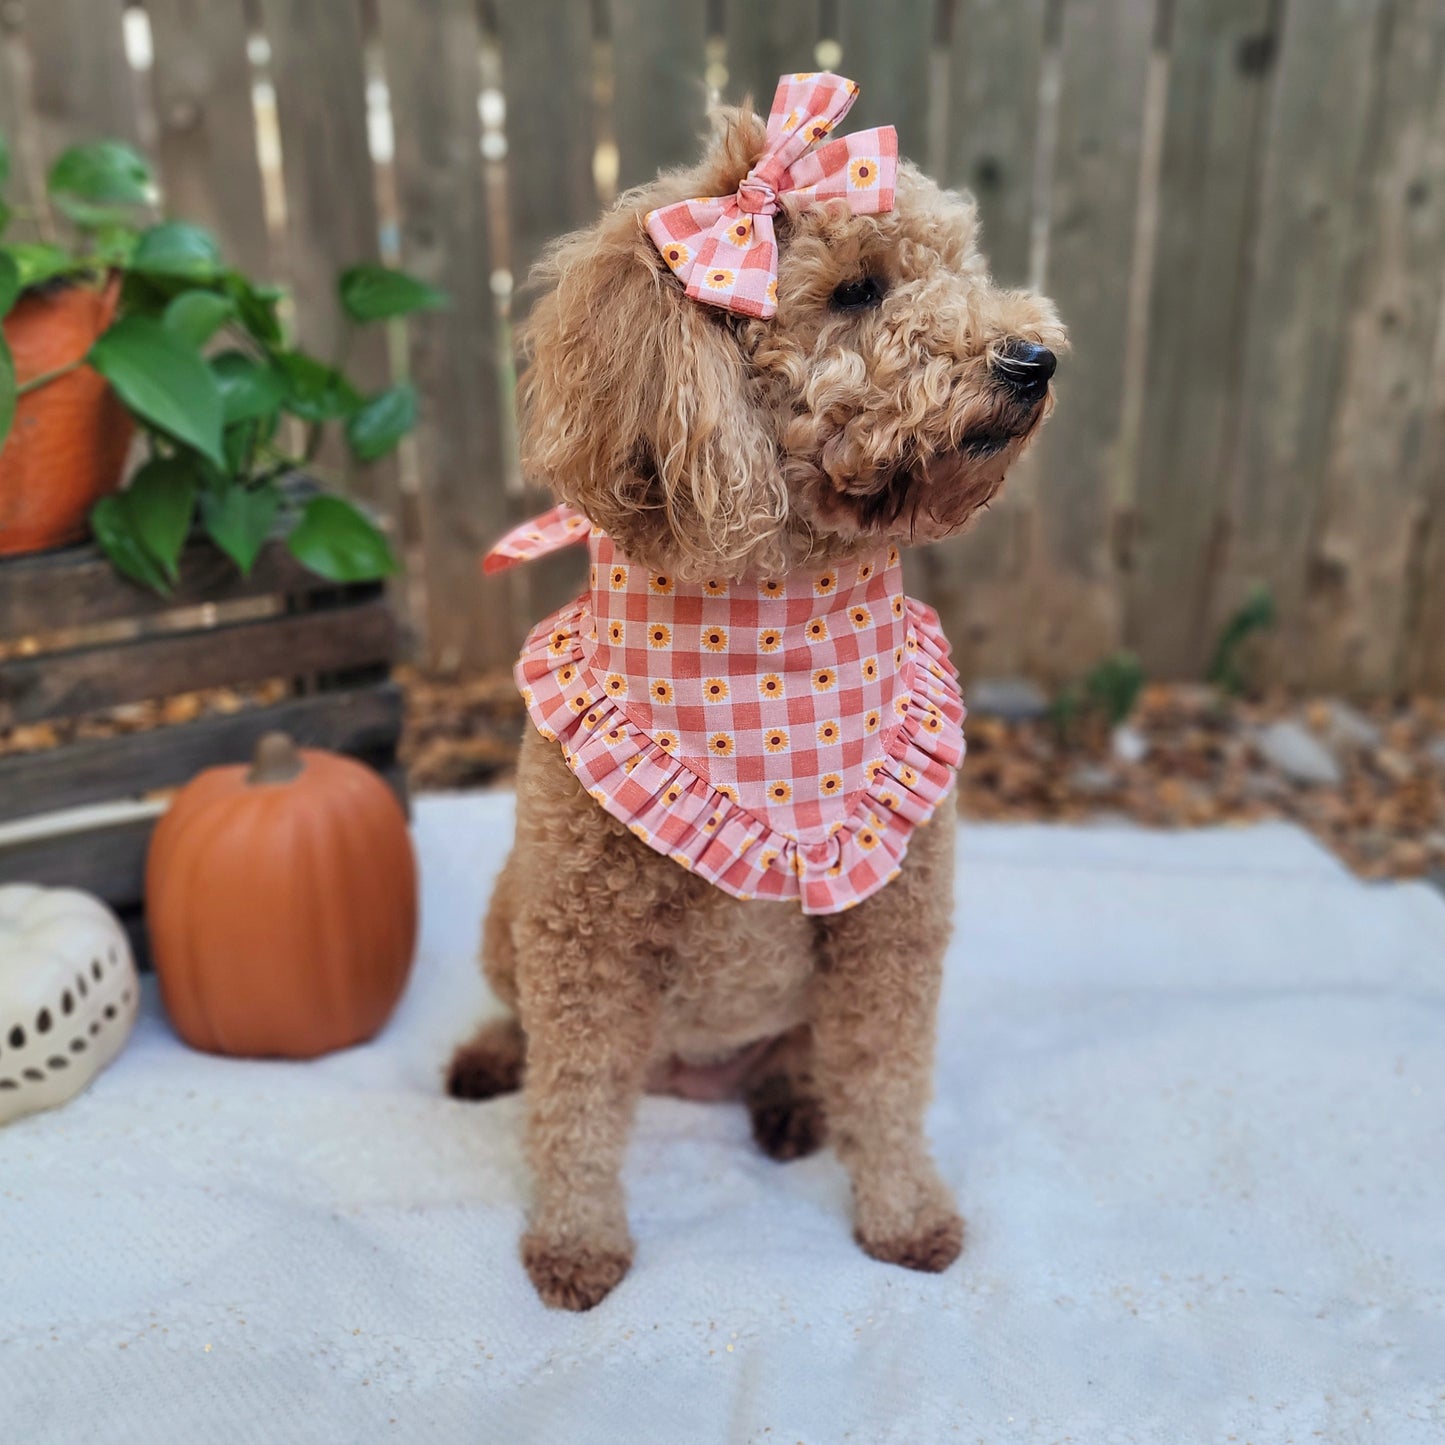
(68, 994)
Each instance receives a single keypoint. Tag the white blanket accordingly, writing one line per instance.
(1191, 1092)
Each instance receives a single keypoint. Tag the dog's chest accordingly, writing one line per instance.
(741, 971)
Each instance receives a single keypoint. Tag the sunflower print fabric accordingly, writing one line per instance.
(723, 249)
(781, 737)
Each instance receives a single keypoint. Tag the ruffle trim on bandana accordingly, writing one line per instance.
(678, 812)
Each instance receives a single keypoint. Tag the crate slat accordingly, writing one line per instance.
(33, 689)
(363, 722)
(107, 860)
(78, 587)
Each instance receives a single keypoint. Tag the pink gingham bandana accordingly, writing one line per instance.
(722, 247)
(780, 738)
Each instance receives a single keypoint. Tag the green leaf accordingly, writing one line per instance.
(114, 244)
(314, 391)
(9, 283)
(382, 422)
(163, 381)
(114, 531)
(249, 389)
(373, 293)
(4, 159)
(38, 262)
(238, 520)
(107, 173)
(196, 316)
(8, 395)
(338, 542)
(159, 504)
(176, 248)
(255, 307)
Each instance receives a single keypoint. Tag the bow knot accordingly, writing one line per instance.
(723, 249)
(756, 197)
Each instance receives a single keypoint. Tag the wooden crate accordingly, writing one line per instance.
(81, 813)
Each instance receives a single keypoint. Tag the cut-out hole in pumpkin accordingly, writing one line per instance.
(67, 1002)
(17, 1037)
(81, 984)
(95, 969)
(42, 1021)
(34, 1075)
(8, 1084)
(57, 1061)
(77, 1046)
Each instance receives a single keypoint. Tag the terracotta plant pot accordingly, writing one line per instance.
(70, 437)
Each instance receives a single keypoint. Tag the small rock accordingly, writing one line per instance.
(1435, 751)
(1015, 699)
(1297, 753)
(1395, 765)
(1347, 730)
(1129, 744)
(1092, 779)
(1264, 787)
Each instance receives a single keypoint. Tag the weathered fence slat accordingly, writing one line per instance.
(990, 137)
(434, 75)
(992, 128)
(83, 88)
(90, 679)
(547, 78)
(360, 723)
(885, 49)
(1221, 56)
(551, 190)
(318, 66)
(206, 125)
(1074, 595)
(1309, 227)
(1424, 642)
(765, 39)
(1373, 505)
(25, 190)
(659, 95)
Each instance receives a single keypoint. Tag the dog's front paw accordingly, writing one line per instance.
(573, 1276)
(932, 1248)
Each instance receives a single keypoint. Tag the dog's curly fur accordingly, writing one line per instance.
(708, 443)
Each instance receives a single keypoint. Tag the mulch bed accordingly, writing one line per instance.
(1200, 765)
(1189, 757)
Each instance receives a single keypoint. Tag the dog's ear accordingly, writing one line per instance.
(636, 406)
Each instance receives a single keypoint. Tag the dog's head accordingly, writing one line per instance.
(884, 402)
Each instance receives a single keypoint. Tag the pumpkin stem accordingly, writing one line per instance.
(276, 760)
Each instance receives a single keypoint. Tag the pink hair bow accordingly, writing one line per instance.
(722, 247)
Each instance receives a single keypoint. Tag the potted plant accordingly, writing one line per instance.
(145, 326)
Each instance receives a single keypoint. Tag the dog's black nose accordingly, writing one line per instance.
(1025, 368)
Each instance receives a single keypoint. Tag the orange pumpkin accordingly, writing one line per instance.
(281, 903)
(69, 440)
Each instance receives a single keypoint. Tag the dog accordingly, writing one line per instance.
(860, 385)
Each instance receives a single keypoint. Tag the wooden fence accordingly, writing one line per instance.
(1239, 206)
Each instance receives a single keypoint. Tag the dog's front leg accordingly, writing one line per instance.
(589, 1033)
(879, 970)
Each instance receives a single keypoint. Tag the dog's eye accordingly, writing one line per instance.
(855, 295)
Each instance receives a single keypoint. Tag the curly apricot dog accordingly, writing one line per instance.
(710, 446)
